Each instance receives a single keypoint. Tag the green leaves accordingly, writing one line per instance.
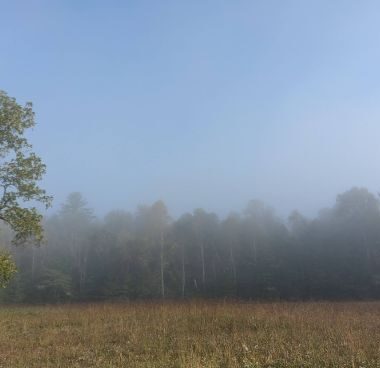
(20, 171)
(26, 224)
(14, 120)
(7, 268)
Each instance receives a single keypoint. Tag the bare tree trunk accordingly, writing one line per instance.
(254, 251)
(183, 271)
(214, 267)
(82, 274)
(367, 249)
(162, 265)
(33, 262)
(203, 263)
(232, 258)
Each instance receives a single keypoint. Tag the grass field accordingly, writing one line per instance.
(191, 335)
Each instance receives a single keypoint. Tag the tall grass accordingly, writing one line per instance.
(192, 335)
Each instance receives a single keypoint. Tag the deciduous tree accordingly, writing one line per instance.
(20, 172)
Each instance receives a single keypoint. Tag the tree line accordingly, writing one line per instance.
(250, 255)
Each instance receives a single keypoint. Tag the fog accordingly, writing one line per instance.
(247, 255)
(201, 104)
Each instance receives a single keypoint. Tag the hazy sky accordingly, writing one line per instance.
(199, 103)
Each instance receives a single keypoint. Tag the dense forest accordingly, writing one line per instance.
(250, 255)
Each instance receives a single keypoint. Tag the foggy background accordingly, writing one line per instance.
(201, 104)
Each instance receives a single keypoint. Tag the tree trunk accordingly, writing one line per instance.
(183, 271)
(162, 265)
(82, 275)
(254, 251)
(367, 249)
(203, 264)
(33, 262)
(233, 265)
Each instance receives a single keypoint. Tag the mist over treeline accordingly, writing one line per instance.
(251, 255)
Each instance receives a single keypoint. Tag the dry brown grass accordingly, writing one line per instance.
(192, 335)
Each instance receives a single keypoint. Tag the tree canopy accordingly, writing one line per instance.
(253, 254)
(20, 172)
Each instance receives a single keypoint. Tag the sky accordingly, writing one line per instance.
(202, 103)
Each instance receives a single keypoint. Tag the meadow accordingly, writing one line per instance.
(193, 334)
